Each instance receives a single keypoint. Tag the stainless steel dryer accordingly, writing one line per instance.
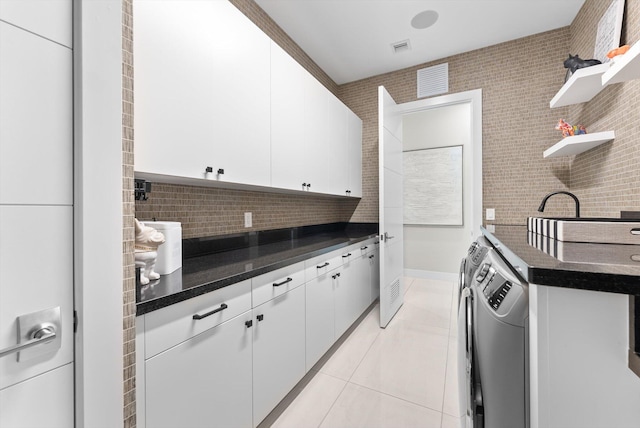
(493, 341)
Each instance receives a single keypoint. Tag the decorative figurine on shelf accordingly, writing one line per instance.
(568, 130)
(574, 62)
(565, 128)
(579, 130)
(618, 51)
(146, 251)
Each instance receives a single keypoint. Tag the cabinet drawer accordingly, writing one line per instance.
(322, 264)
(266, 287)
(366, 247)
(174, 324)
(349, 254)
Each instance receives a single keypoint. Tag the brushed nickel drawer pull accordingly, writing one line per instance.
(635, 231)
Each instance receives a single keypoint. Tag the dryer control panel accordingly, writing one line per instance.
(495, 299)
(494, 286)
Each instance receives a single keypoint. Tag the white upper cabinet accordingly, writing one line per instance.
(50, 19)
(202, 92)
(344, 144)
(337, 147)
(219, 102)
(287, 121)
(316, 127)
(241, 78)
(354, 149)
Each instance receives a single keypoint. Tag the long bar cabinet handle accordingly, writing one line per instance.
(221, 308)
(278, 284)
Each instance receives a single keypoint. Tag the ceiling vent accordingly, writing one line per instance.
(402, 46)
(433, 80)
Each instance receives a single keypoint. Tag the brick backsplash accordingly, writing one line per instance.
(209, 211)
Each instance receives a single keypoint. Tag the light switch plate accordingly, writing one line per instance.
(491, 214)
(248, 220)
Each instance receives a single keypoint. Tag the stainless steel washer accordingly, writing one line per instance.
(493, 341)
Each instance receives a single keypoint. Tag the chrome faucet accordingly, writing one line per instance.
(575, 198)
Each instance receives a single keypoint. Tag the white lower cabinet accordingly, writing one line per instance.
(351, 288)
(227, 358)
(374, 269)
(278, 350)
(204, 381)
(319, 316)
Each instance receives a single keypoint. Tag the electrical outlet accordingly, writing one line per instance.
(491, 214)
(248, 220)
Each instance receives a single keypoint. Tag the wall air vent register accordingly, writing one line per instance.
(433, 80)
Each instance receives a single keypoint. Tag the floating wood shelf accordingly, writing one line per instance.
(581, 87)
(625, 67)
(577, 144)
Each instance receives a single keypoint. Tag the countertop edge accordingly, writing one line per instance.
(558, 277)
(162, 302)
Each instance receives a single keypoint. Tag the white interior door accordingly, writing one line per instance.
(390, 210)
(36, 215)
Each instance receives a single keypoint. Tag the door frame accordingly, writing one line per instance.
(474, 98)
(98, 221)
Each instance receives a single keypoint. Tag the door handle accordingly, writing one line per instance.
(41, 334)
(386, 237)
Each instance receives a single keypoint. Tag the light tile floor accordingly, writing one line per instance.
(401, 376)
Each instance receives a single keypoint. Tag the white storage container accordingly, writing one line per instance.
(170, 253)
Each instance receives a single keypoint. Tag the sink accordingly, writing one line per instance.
(587, 229)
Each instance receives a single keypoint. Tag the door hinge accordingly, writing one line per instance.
(75, 321)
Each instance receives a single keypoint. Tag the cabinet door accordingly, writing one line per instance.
(241, 108)
(174, 90)
(316, 127)
(202, 91)
(337, 147)
(343, 299)
(319, 316)
(351, 291)
(287, 121)
(278, 350)
(363, 284)
(203, 382)
(374, 270)
(354, 147)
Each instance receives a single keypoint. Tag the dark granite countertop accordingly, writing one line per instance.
(243, 256)
(598, 267)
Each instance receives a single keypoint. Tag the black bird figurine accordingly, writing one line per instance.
(574, 62)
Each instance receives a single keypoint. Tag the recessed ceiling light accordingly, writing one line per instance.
(424, 19)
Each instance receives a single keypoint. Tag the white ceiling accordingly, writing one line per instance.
(352, 39)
